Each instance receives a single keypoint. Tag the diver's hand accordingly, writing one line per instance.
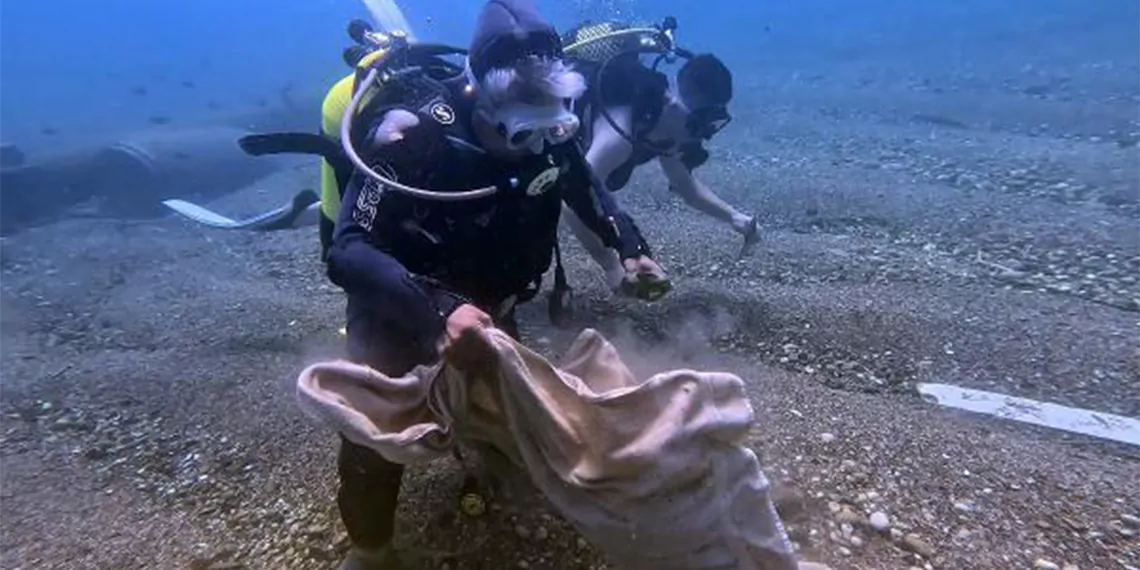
(645, 279)
(465, 344)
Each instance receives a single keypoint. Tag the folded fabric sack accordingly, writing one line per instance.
(654, 473)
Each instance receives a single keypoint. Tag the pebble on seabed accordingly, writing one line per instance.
(880, 521)
(1043, 564)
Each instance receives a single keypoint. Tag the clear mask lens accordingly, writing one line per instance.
(527, 127)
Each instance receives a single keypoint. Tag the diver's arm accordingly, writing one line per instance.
(359, 266)
(596, 207)
(694, 192)
(364, 270)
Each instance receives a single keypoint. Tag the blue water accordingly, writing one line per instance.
(72, 65)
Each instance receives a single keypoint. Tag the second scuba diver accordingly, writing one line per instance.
(632, 115)
(450, 215)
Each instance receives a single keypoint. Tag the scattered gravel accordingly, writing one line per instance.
(148, 416)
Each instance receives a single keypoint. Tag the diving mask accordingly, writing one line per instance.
(528, 127)
(706, 122)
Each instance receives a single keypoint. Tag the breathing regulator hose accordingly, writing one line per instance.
(394, 42)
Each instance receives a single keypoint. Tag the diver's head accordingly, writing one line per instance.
(705, 86)
(524, 89)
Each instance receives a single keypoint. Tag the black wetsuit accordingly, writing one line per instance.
(406, 263)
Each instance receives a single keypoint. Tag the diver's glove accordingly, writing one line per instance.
(464, 343)
(644, 279)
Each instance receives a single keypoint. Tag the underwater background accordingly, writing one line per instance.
(949, 199)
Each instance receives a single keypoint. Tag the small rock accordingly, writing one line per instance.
(848, 517)
(845, 551)
(582, 544)
(1070, 567)
(855, 541)
(880, 521)
(1043, 564)
(827, 437)
(522, 531)
(965, 506)
(541, 533)
(917, 545)
(790, 502)
(1131, 521)
(523, 564)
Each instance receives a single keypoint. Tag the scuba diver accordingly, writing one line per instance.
(454, 179)
(632, 115)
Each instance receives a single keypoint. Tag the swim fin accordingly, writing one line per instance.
(302, 211)
(290, 143)
(297, 143)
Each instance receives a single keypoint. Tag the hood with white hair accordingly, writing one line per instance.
(508, 32)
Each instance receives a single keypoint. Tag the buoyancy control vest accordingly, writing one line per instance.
(488, 248)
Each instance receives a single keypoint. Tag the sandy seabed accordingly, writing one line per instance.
(148, 418)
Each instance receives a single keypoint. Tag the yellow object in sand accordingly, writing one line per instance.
(473, 504)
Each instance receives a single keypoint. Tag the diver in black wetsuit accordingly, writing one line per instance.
(632, 115)
(450, 220)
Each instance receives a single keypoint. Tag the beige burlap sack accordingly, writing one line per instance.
(654, 473)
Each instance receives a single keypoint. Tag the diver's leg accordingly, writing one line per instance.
(369, 489)
(369, 483)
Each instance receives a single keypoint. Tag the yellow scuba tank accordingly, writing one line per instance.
(332, 109)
